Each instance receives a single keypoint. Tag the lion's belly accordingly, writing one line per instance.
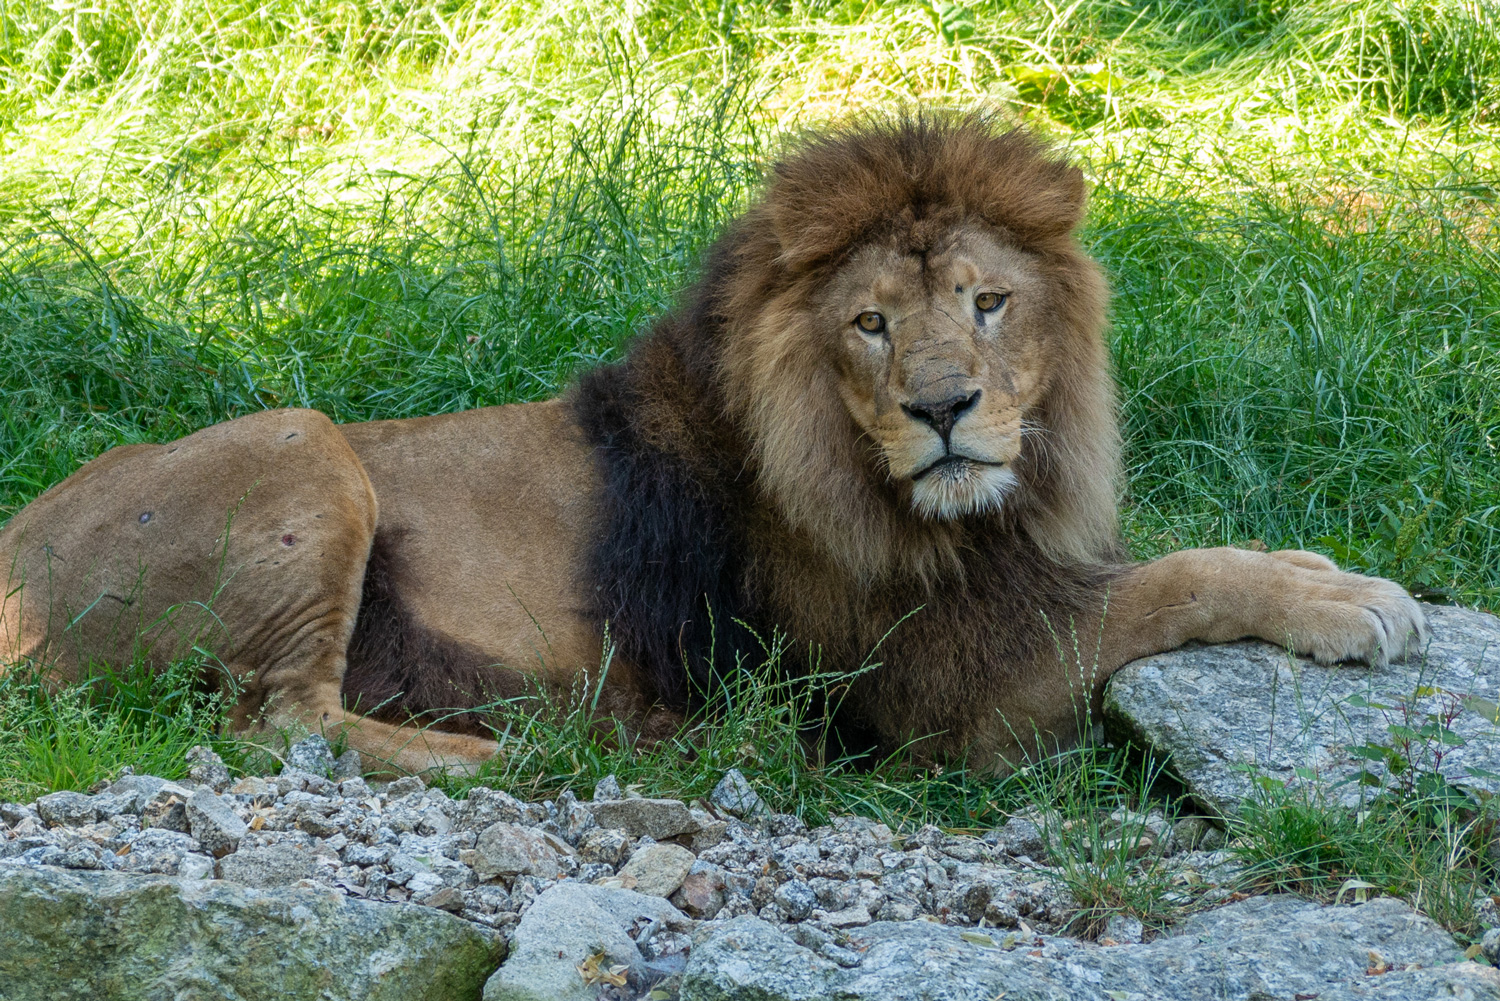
(484, 513)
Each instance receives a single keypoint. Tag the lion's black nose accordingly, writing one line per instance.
(941, 416)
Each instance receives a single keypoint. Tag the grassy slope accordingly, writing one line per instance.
(381, 208)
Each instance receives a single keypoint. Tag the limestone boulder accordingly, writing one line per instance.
(568, 924)
(1259, 949)
(86, 935)
(1230, 712)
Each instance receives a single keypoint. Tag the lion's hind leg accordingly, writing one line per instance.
(296, 553)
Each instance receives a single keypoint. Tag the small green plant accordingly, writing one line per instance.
(1418, 833)
(1105, 816)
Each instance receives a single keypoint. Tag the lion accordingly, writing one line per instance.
(883, 418)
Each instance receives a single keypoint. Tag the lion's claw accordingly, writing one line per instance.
(1336, 616)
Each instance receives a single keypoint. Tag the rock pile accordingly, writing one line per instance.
(317, 883)
(373, 890)
(487, 857)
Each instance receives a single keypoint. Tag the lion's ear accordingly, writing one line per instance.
(810, 223)
(1047, 200)
(1073, 195)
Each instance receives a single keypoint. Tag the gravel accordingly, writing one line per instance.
(488, 857)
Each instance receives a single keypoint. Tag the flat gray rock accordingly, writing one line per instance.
(1227, 711)
(90, 935)
(1263, 949)
(568, 923)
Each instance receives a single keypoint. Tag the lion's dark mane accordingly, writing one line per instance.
(688, 545)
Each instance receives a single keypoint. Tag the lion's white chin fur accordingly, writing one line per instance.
(955, 489)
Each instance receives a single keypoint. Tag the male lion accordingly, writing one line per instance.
(885, 408)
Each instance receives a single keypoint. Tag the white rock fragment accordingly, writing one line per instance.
(658, 870)
(213, 823)
(508, 850)
(735, 796)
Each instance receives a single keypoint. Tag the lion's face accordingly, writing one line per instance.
(937, 367)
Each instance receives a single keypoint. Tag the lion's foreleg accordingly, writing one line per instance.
(1294, 598)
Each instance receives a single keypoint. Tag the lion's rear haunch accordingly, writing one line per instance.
(754, 475)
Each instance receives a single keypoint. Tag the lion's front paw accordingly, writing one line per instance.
(1334, 616)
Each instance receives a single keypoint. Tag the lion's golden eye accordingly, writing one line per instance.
(988, 302)
(870, 323)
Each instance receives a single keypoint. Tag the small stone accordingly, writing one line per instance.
(603, 845)
(485, 806)
(710, 831)
(348, 765)
(665, 944)
(434, 822)
(701, 894)
(445, 899)
(157, 850)
(1490, 946)
(782, 824)
(850, 917)
(654, 818)
(207, 768)
(511, 850)
(214, 824)
(735, 796)
(1189, 833)
(292, 780)
(658, 870)
(13, 813)
(406, 785)
(85, 856)
(257, 790)
(573, 819)
(167, 809)
(863, 830)
(195, 866)
(608, 788)
(898, 910)
(28, 827)
(1213, 839)
(1123, 929)
(267, 865)
(971, 899)
(367, 855)
(311, 754)
(1021, 836)
(44, 855)
(796, 898)
(355, 788)
(135, 791)
(423, 884)
(834, 894)
(66, 809)
(593, 872)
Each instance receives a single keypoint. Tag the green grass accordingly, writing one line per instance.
(384, 208)
(74, 738)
